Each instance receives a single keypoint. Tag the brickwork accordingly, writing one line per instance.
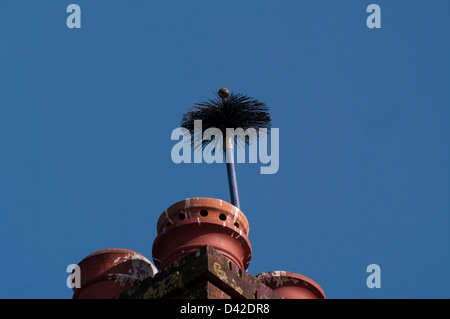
(203, 274)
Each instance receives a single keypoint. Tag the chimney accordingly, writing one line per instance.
(202, 248)
(195, 222)
(291, 285)
(202, 251)
(106, 273)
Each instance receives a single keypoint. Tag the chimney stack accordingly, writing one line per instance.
(202, 251)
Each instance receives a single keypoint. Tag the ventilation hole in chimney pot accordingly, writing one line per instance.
(236, 224)
(203, 213)
(222, 217)
(182, 216)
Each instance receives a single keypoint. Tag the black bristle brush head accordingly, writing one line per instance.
(227, 110)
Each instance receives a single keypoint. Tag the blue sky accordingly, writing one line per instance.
(364, 120)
